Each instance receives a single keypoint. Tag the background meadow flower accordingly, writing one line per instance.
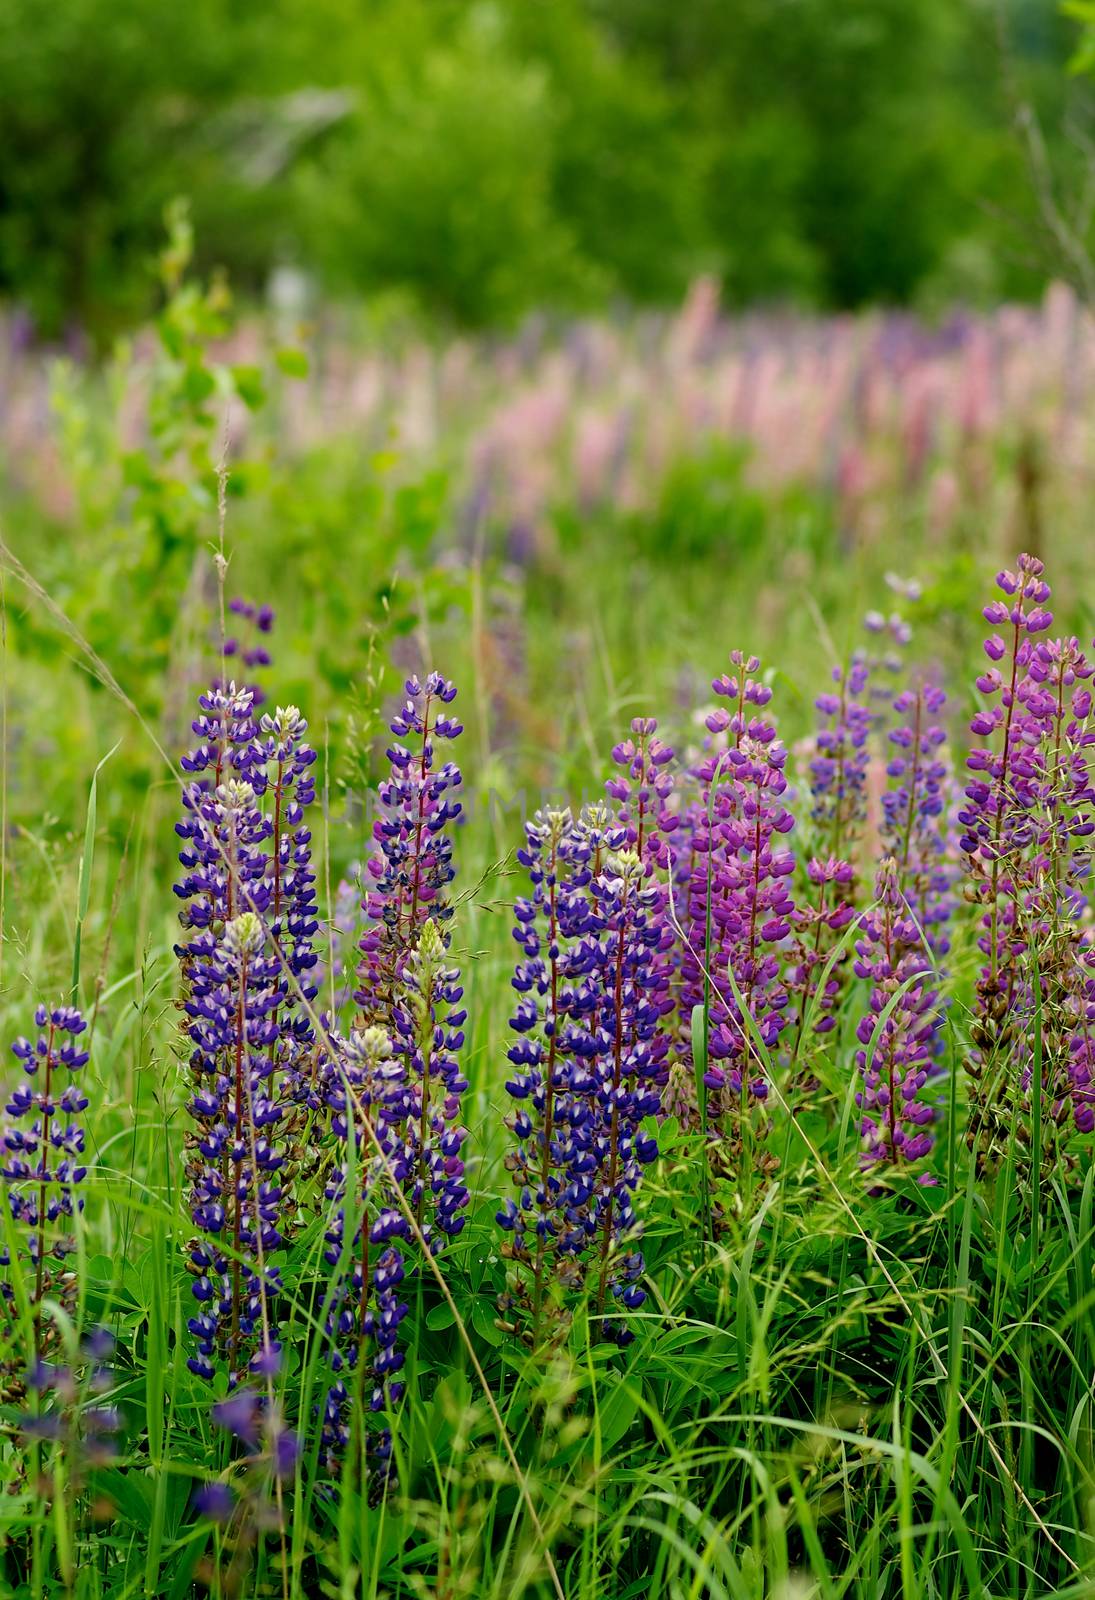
(44, 1166)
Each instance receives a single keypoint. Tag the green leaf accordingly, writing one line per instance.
(294, 363)
(249, 386)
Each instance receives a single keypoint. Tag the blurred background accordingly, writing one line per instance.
(563, 344)
(474, 160)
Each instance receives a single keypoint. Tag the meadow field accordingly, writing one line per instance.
(548, 959)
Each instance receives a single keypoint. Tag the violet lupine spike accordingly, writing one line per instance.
(407, 878)
(642, 790)
(236, 1156)
(366, 1091)
(550, 1079)
(42, 1170)
(428, 1020)
(838, 770)
(838, 790)
(740, 878)
(898, 1056)
(253, 655)
(820, 919)
(270, 1449)
(1081, 1035)
(628, 1067)
(593, 993)
(914, 805)
(1061, 671)
(1000, 842)
(293, 916)
(890, 636)
(247, 961)
(71, 1409)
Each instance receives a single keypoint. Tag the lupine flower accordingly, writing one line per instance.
(429, 1023)
(247, 964)
(1080, 1015)
(1025, 806)
(627, 1067)
(1066, 827)
(820, 918)
(253, 653)
(838, 770)
(827, 900)
(71, 1408)
(367, 1093)
(914, 808)
(591, 1048)
(550, 1082)
(294, 922)
(642, 789)
(250, 920)
(248, 1505)
(406, 880)
(43, 1168)
(262, 618)
(738, 887)
(236, 1155)
(899, 1054)
(407, 986)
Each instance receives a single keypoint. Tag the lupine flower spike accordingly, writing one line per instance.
(739, 912)
(367, 1094)
(899, 1053)
(249, 912)
(914, 808)
(407, 986)
(1024, 820)
(592, 1045)
(43, 1168)
(551, 1161)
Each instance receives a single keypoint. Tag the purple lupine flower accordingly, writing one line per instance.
(642, 792)
(71, 1409)
(252, 652)
(1080, 1013)
(739, 883)
(43, 1168)
(247, 961)
(898, 1055)
(270, 1451)
(838, 770)
(820, 918)
(628, 1066)
(367, 1093)
(406, 984)
(237, 1153)
(550, 1081)
(642, 789)
(591, 1044)
(1023, 807)
(888, 637)
(914, 806)
(407, 878)
(429, 1019)
(1066, 827)
(294, 921)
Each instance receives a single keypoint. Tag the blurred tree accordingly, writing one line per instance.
(488, 156)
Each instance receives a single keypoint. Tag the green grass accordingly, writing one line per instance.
(849, 1394)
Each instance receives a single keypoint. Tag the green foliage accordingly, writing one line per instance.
(442, 182)
(485, 157)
